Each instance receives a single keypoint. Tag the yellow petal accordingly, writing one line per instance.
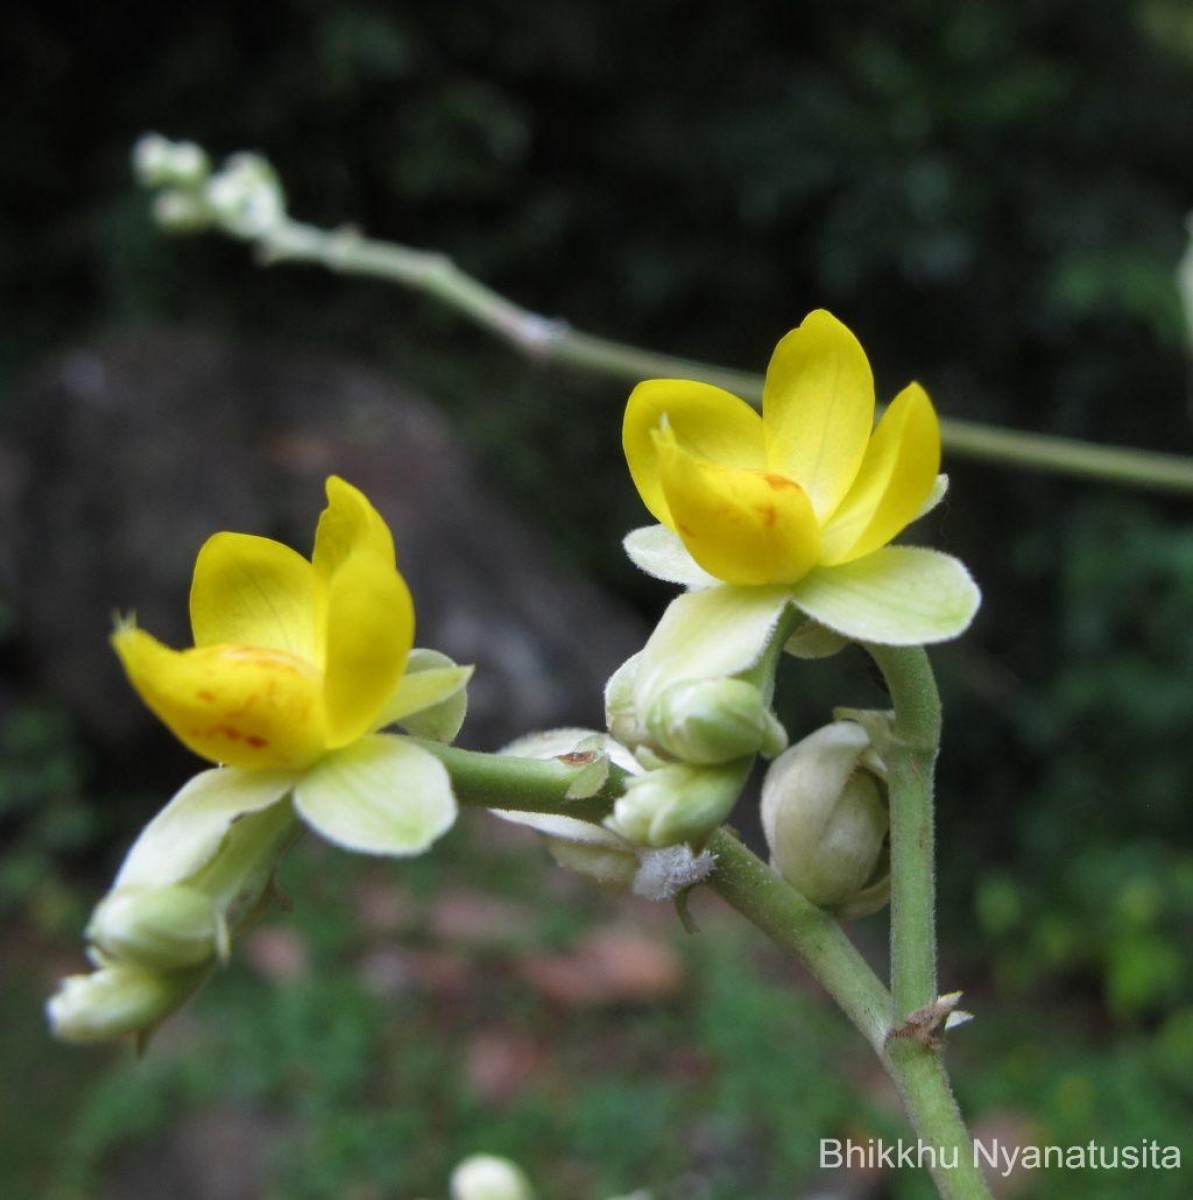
(744, 527)
(711, 422)
(348, 523)
(246, 706)
(818, 409)
(897, 476)
(252, 591)
(369, 632)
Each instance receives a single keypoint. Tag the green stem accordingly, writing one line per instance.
(746, 883)
(923, 1085)
(555, 342)
(909, 753)
(522, 784)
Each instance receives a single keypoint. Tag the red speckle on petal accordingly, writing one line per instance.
(777, 483)
(256, 741)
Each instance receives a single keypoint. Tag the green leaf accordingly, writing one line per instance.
(381, 795)
(897, 596)
(185, 835)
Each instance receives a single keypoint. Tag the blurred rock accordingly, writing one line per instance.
(611, 965)
(278, 952)
(500, 1063)
(481, 920)
(118, 460)
(219, 1153)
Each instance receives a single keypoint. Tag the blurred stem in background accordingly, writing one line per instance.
(245, 199)
(556, 343)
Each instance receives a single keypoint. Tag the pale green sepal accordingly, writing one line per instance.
(587, 750)
(381, 795)
(620, 714)
(703, 635)
(939, 489)
(159, 929)
(813, 640)
(677, 803)
(430, 701)
(897, 596)
(185, 835)
(709, 721)
(660, 552)
(593, 773)
(117, 1000)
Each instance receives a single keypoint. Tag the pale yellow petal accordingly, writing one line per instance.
(818, 409)
(744, 527)
(246, 706)
(896, 478)
(253, 591)
(348, 523)
(709, 421)
(369, 632)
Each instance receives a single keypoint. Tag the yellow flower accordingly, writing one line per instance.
(296, 666)
(803, 498)
(292, 658)
(765, 499)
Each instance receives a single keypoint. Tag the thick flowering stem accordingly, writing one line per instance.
(909, 752)
(923, 1084)
(747, 884)
(816, 938)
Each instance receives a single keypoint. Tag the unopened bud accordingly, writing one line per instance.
(116, 1000)
(710, 721)
(825, 816)
(612, 864)
(677, 803)
(159, 928)
(159, 162)
(182, 212)
(487, 1177)
(246, 196)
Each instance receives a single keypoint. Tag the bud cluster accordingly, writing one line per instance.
(153, 944)
(243, 198)
(693, 739)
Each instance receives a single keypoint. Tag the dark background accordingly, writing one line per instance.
(991, 196)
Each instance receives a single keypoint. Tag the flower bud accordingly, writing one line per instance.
(825, 816)
(159, 162)
(159, 928)
(116, 1000)
(612, 865)
(487, 1177)
(677, 803)
(182, 212)
(246, 196)
(710, 721)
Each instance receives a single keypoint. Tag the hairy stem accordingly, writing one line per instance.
(910, 757)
